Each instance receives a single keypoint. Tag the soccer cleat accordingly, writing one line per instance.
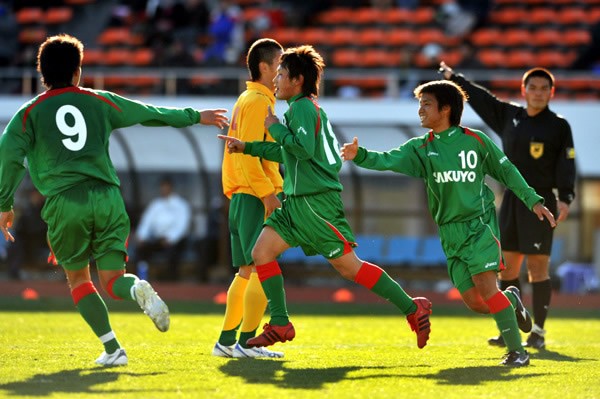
(535, 341)
(117, 358)
(523, 318)
(240, 352)
(497, 341)
(419, 320)
(223, 350)
(516, 359)
(272, 334)
(151, 304)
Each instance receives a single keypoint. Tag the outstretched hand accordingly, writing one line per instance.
(349, 150)
(542, 212)
(445, 70)
(6, 221)
(214, 117)
(233, 145)
(271, 118)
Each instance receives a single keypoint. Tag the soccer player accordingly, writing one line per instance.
(540, 144)
(312, 214)
(453, 161)
(253, 186)
(64, 135)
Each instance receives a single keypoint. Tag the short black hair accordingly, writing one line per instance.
(305, 61)
(448, 93)
(539, 73)
(58, 59)
(262, 50)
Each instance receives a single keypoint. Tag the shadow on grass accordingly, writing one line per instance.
(267, 371)
(545, 354)
(70, 381)
(476, 375)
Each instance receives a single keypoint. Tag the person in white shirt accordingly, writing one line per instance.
(164, 227)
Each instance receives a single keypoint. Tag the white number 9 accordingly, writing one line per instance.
(78, 129)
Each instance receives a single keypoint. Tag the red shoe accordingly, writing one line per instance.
(419, 320)
(272, 334)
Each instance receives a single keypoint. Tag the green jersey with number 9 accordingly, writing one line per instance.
(64, 135)
(306, 145)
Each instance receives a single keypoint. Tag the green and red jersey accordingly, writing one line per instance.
(454, 164)
(64, 135)
(307, 147)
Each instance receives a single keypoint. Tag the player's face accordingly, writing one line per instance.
(537, 93)
(271, 71)
(286, 88)
(431, 117)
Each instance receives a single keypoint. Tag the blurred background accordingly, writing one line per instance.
(191, 53)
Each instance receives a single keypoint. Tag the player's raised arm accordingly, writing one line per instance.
(349, 150)
(233, 145)
(214, 117)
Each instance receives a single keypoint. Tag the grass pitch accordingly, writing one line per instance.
(340, 351)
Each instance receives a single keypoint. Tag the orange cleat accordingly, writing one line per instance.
(419, 320)
(272, 334)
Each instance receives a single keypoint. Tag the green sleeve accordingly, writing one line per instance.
(299, 139)
(402, 160)
(132, 112)
(498, 166)
(264, 149)
(14, 144)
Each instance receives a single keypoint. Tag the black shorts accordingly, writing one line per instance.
(521, 230)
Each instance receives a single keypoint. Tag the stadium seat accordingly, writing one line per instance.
(425, 36)
(58, 15)
(423, 16)
(400, 37)
(485, 37)
(343, 37)
(336, 16)
(93, 56)
(378, 58)
(574, 16)
(117, 57)
(546, 37)
(286, 36)
(542, 16)
(491, 58)
(516, 37)
(577, 37)
(315, 36)
(345, 58)
(142, 57)
(32, 35)
(552, 59)
(432, 253)
(115, 37)
(508, 16)
(367, 15)
(369, 37)
(519, 59)
(370, 248)
(397, 16)
(557, 255)
(30, 15)
(401, 250)
(293, 255)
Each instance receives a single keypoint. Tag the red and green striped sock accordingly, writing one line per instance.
(506, 320)
(378, 281)
(271, 280)
(120, 287)
(93, 310)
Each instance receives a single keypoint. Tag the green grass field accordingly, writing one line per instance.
(340, 351)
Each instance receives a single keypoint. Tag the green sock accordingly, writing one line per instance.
(93, 310)
(275, 292)
(227, 337)
(122, 286)
(391, 291)
(245, 336)
(506, 320)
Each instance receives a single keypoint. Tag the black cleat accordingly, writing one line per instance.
(535, 341)
(516, 359)
(523, 318)
(497, 341)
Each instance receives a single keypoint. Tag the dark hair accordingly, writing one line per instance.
(446, 93)
(305, 61)
(539, 73)
(262, 50)
(58, 59)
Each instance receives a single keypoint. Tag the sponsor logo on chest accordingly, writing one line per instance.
(455, 176)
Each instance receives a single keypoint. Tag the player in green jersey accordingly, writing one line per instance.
(453, 161)
(312, 215)
(64, 135)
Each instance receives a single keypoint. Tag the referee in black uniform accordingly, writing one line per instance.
(539, 142)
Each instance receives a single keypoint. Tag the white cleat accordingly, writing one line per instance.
(259, 351)
(151, 304)
(117, 358)
(222, 350)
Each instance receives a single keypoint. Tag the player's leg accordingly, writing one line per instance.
(234, 311)
(538, 270)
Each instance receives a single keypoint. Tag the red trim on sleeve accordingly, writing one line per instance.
(71, 89)
(498, 302)
(109, 286)
(368, 275)
(268, 270)
(468, 132)
(83, 290)
(429, 139)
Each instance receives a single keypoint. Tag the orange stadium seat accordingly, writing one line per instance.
(542, 16)
(315, 36)
(552, 59)
(345, 58)
(142, 57)
(115, 37)
(286, 36)
(343, 36)
(58, 15)
(509, 16)
(546, 37)
(400, 37)
(485, 37)
(572, 16)
(117, 56)
(423, 15)
(371, 37)
(577, 37)
(520, 59)
(377, 58)
(516, 37)
(430, 35)
(93, 56)
(594, 15)
(491, 58)
(367, 15)
(397, 16)
(30, 15)
(336, 16)
(32, 35)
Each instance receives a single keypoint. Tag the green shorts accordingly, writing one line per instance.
(472, 247)
(87, 220)
(246, 218)
(316, 223)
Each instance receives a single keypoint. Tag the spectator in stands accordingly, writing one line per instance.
(226, 31)
(540, 143)
(163, 228)
(589, 57)
(454, 162)
(312, 215)
(460, 17)
(254, 187)
(31, 246)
